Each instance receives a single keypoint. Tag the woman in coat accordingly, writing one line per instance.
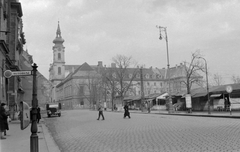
(3, 120)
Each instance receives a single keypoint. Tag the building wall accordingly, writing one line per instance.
(4, 50)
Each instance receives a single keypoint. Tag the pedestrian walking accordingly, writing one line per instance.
(3, 120)
(38, 114)
(126, 111)
(100, 111)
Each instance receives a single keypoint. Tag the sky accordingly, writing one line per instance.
(98, 30)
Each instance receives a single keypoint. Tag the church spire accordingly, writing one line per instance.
(58, 31)
(58, 38)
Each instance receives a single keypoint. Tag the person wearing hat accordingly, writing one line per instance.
(3, 120)
(100, 111)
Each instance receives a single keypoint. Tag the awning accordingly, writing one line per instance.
(163, 96)
(215, 95)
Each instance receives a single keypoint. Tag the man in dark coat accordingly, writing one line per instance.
(126, 111)
(38, 114)
(3, 120)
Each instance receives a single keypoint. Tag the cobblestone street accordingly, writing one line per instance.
(78, 130)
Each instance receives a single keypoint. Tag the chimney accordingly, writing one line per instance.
(113, 65)
(100, 63)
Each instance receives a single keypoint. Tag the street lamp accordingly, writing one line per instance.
(209, 112)
(164, 29)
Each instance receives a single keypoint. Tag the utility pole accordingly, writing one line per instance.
(142, 88)
(206, 67)
(164, 29)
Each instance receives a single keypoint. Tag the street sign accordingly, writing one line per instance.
(9, 73)
(18, 73)
(229, 89)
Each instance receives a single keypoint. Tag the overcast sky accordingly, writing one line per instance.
(98, 30)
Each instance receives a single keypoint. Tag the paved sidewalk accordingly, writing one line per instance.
(19, 140)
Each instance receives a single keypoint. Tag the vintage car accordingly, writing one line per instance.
(53, 109)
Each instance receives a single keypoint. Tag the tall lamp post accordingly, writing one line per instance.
(164, 29)
(209, 112)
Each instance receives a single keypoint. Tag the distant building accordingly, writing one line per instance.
(81, 86)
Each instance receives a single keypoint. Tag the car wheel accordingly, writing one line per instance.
(49, 115)
(59, 114)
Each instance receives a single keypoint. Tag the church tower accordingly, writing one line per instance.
(57, 68)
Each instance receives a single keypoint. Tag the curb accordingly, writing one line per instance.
(51, 144)
(182, 114)
(195, 115)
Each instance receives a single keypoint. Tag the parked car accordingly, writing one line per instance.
(53, 109)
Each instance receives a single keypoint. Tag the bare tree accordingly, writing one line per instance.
(121, 76)
(192, 70)
(235, 79)
(110, 83)
(217, 80)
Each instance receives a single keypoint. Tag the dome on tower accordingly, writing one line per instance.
(58, 38)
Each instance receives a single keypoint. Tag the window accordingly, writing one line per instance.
(148, 83)
(81, 101)
(138, 75)
(154, 83)
(130, 75)
(59, 71)
(114, 75)
(81, 90)
(147, 76)
(59, 56)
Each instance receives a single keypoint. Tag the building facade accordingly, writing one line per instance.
(14, 58)
(12, 40)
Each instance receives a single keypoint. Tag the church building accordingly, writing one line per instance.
(81, 86)
(58, 70)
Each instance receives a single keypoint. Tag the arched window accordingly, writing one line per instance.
(59, 70)
(147, 76)
(59, 56)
